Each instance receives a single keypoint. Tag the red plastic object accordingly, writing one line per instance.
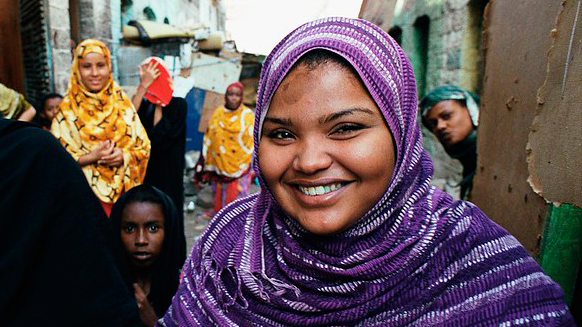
(161, 90)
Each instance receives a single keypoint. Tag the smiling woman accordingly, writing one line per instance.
(99, 127)
(347, 230)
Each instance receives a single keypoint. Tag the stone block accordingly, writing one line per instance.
(62, 4)
(61, 62)
(61, 83)
(61, 39)
(59, 18)
(453, 60)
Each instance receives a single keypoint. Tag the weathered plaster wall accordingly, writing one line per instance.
(555, 140)
(515, 69)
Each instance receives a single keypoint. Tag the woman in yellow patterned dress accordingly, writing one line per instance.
(228, 147)
(99, 126)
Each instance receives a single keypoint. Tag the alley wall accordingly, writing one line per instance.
(442, 38)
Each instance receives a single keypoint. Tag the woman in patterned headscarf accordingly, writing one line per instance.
(99, 126)
(347, 230)
(227, 149)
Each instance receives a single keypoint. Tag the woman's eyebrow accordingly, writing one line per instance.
(339, 114)
(279, 121)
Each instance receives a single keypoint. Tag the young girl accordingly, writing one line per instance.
(149, 241)
(347, 230)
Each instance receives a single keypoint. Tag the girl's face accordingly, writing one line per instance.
(50, 108)
(326, 153)
(142, 232)
(94, 71)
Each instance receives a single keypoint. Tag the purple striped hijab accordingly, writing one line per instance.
(415, 258)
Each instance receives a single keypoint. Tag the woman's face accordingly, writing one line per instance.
(142, 232)
(450, 122)
(325, 152)
(94, 71)
(233, 98)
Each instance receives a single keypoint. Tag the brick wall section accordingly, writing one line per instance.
(60, 37)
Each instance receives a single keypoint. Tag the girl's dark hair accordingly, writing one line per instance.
(48, 96)
(166, 269)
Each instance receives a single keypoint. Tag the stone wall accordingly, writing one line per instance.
(60, 36)
(96, 20)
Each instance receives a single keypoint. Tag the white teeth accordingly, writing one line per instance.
(319, 190)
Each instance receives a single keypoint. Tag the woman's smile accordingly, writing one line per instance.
(319, 194)
(320, 189)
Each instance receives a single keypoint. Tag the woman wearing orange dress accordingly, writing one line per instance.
(99, 126)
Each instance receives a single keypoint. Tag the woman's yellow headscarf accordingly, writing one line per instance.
(85, 119)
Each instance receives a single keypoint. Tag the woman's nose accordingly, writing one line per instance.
(312, 156)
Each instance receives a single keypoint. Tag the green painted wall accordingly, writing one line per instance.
(561, 248)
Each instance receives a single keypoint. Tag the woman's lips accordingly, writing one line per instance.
(142, 255)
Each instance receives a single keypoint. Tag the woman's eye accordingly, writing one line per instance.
(128, 229)
(446, 116)
(153, 228)
(347, 128)
(280, 134)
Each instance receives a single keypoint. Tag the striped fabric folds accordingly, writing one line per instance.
(417, 258)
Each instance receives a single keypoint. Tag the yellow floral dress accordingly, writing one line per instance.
(228, 144)
(86, 119)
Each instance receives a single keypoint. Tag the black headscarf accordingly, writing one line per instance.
(166, 268)
(56, 268)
